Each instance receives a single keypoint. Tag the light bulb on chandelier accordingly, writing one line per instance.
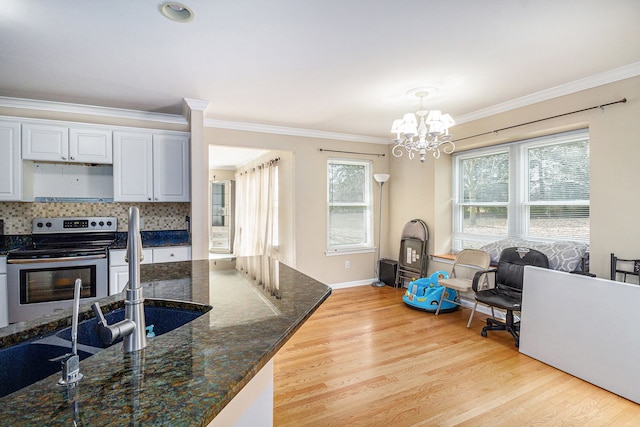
(422, 131)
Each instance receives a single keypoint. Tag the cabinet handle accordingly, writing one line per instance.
(149, 199)
(72, 158)
(63, 158)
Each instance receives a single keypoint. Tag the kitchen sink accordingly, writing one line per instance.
(28, 362)
(158, 319)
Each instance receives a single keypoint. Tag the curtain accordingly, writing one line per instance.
(256, 223)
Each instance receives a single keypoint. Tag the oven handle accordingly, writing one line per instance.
(61, 259)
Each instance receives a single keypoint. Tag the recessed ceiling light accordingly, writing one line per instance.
(176, 11)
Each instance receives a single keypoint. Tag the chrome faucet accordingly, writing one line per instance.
(71, 362)
(132, 328)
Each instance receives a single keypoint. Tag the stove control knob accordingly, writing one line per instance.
(101, 223)
(48, 224)
(39, 225)
(109, 223)
(93, 223)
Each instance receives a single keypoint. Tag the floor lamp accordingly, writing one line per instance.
(380, 178)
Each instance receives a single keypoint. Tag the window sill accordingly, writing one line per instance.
(349, 251)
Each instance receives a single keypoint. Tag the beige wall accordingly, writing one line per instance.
(221, 175)
(615, 169)
(309, 190)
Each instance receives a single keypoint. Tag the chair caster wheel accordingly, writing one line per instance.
(483, 333)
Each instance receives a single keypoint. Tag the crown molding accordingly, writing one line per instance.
(193, 105)
(611, 76)
(196, 104)
(283, 130)
(92, 110)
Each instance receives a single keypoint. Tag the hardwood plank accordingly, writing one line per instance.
(365, 358)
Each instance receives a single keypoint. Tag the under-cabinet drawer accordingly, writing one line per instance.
(171, 254)
(116, 256)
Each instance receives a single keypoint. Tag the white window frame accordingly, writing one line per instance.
(518, 202)
(366, 246)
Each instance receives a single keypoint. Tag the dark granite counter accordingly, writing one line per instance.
(18, 241)
(184, 377)
(158, 238)
(150, 239)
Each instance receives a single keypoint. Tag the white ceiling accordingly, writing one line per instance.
(339, 66)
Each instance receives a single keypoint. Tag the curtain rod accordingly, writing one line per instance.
(351, 152)
(261, 165)
(622, 101)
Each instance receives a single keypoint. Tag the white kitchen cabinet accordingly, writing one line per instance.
(132, 166)
(151, 167)
(4, 308)
(90, 145)
(11, 166)
(171, 254)
(64, 143)
(171, 168)
(119, 269)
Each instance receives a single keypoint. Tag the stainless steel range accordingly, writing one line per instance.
(41, 278)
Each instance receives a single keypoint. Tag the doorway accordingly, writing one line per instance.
(227, 198)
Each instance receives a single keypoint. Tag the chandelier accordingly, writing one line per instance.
(426, 130)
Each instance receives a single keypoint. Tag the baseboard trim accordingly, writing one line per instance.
(343, 285)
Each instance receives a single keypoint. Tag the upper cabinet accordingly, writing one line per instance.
(150, 167)
(60, 143)
(37, 156)
(10, 161)
(90, 145)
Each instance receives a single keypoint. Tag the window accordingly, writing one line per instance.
(349, 223)
(536, 189)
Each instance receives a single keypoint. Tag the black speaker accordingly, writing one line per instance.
(388, 269)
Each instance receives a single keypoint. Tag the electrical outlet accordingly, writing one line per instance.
(347, 264)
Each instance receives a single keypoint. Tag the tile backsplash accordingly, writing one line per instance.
(17, 216)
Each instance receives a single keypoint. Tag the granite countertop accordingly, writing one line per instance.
(184, 377)
(150, 239)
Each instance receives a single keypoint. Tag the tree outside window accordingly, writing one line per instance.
(349, 205)
(534, 189)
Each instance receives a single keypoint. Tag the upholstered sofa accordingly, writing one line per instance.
(566, 256)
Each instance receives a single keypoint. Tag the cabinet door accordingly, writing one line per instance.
(10, 161)
(118, 278)
(87, 145)
(132, 167)
(171, 168)
(45, 142)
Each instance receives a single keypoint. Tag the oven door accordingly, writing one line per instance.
(37, 287)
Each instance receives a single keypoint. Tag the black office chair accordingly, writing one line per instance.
(625, 267)
(507, 292)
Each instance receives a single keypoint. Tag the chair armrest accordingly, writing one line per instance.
(478, 275)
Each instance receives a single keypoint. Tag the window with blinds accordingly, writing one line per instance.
(536, 189)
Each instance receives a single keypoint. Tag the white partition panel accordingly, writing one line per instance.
(585, 326)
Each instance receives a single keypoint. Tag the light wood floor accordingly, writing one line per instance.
(364, 358)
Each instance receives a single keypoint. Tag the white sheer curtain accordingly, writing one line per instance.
(256, 223)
